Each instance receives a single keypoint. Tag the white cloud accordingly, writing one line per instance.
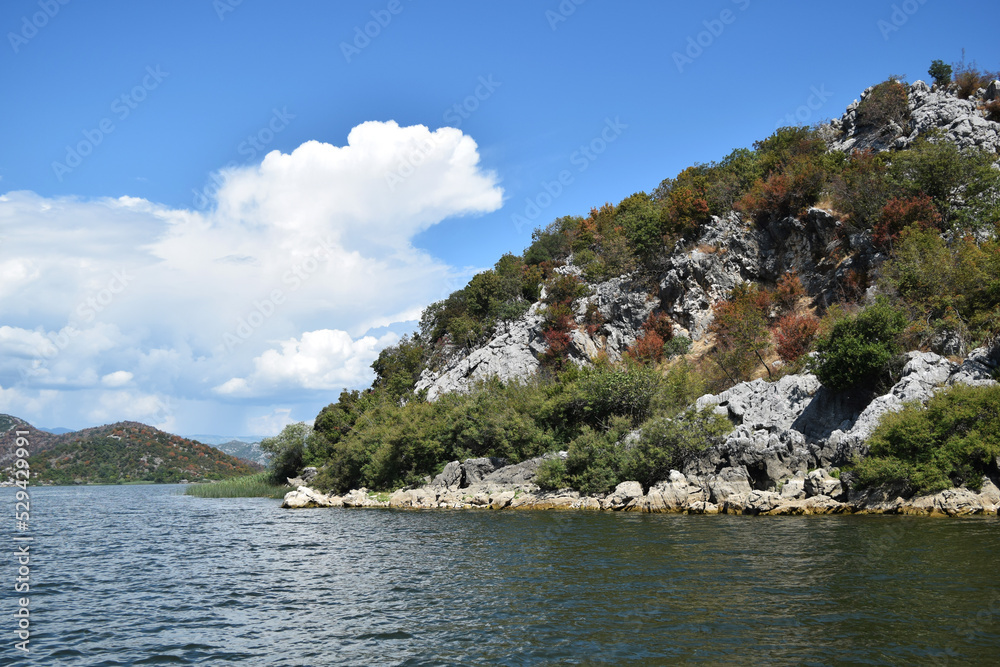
(271, 423)
(310, 248)
(117, 379)
(325, 359)
(133, 406)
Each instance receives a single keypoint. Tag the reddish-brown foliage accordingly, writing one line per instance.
(794, 334)
(901, 213)
(788, 292)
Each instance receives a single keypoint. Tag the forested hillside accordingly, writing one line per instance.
(828, 250)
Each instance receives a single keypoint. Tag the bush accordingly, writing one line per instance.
(886, 103)
(858, 349)
(740, 327)
(962, 183)
(785, 193)
(649, 346)
(932, 279)
(788, 292)
(898, 214)
(863, 188)
(676, 346)
(552, 243)
(286, 450)
(667, 444)
(969, 78)
(551, 474)
(794, 334)
(950, 442)
(595, 458)
(609, 392)
(940, 72)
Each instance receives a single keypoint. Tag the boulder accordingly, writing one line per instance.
(625, 497)
(730, 485)
(950, 502)
(304, 497)
(821, 483)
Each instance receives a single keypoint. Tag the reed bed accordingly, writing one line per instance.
(251, 486)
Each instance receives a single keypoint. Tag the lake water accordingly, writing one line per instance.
(140, 575)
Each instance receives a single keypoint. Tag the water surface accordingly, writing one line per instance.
(136, 575)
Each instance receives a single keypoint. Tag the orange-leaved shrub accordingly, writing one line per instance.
(794, 335)
(788, 292)
(899, 213)
(656, 331)
(740, 327)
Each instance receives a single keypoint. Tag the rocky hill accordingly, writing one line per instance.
(813, 285)
(119, 453)
(700, 271)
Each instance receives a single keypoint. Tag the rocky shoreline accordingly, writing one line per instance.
(790, 439)
(818, 492)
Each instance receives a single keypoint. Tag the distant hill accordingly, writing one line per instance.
(247, 451)
(118, 453)
(59, 430)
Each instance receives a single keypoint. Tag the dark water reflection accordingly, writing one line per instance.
(140, 575)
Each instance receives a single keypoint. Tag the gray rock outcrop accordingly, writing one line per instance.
(960, 121)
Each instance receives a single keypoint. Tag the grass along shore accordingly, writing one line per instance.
(257, 485)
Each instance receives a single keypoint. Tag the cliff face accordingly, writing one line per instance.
(699, 272)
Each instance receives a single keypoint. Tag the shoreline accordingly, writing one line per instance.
(678, 495)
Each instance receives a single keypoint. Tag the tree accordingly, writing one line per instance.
(286, 450)
(858, 349)
(940, 72)
(741, 334)
(398, 366)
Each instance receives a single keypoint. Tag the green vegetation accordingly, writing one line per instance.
(950, 442)
(858, 348)
(931, 211)
(131, 452)
(885, 104)
(941, 73)
(258, 485)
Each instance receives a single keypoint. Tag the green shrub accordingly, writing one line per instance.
(595, 458)
(858, 349)
(551, 474)
(552, 243)
(863, 188)
(886, 103)
(287, 450)
(666, 444)
(952, 441)
(940, 72)
(933, 278)
(962, 183)
(676, 346)
(740, 324)
(609, 392)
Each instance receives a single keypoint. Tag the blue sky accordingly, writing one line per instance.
(142, 227)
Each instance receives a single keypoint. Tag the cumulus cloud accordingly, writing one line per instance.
(117, 379)
(325, 359)
(312, 248)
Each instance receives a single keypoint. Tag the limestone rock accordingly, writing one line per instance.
(304, 497)
(961, 121)
(820, 483)
(731, 485)
(625, 496)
